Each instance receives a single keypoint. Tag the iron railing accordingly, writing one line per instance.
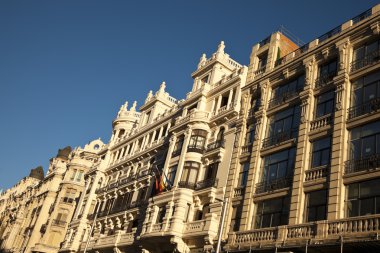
(215, 145)
(325, 79)
(211, 182)
(59, 223)
(367, 60)
(272, 185)
(371, 106)
(363, 164)
(280, 137)
(284, 97)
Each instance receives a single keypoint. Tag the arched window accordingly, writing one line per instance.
(220, 136)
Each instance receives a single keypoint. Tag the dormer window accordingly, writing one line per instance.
(205, 79)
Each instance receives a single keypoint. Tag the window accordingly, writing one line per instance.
(367, 50)
(190, 172)
(287, 91)
(363, 198)
(321, 152)
(178, 146)
(365, 141)
(79, 176)
(161, 214)
(366, 90)
(236, 217)
(271, 213)
(283, 126)
(328, 68)
(250, 136)
(243, 176)
(211, 170)
(316, 205)
(278, 165)
(325, 104)
(171, 174)
(220, 136)
(263, 59)
(197, 141)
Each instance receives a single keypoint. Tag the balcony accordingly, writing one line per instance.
(207, 183)
(272, 185)
(59, 223)
(364, 164)
(321, 122)
(365, 108)
(193, 115)
(187, 185)
(194, 226)
(225, 111)
(316, 173)
(368, 60)
(325, 80)
(280, 137)
(360, 229)
(282, 98)
(239, 192)
(247, 149)
(195, 149)
(214, 145)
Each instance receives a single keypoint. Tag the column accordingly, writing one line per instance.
(339, 149)
(230, 103)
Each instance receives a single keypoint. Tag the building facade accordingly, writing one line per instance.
(279, 156)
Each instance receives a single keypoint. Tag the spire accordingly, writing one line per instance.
(202, 60)
(133, 108)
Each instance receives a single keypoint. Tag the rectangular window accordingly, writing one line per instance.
(250, 136)
(316, 205)
(363, 198)
(243, 176)
(325, 104)
(171, 174)
(190, 173)
(178, 146)
(197, 141)
(365, 141)
(161, 214)
(321, 152)
(279, 165)
(211, 170)
(271, 213)
(287, 91)
(236, 217)
(328, 69)
(283, 126)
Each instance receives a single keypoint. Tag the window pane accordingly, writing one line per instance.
(367, 206)
(353, 191)
(352, 208)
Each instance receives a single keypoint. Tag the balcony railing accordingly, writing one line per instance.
(367, 60)
(188, 185)
(195, 149)
(280, 137)
(272, 185)
(246, 149)
(316, 173)
(325, 79)
(362, 228)
(194, 226)
(59, 223)
(368, 107)
(211, 182)
(282, 98)
(321, 122)
(215, 145)
(239, 191)
(329, 34)
(368, 163)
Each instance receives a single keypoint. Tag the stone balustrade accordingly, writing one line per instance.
(321, 122)
(195, 226)
(316, 173)
(363, 227)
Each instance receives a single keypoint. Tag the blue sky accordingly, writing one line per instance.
(67, 66)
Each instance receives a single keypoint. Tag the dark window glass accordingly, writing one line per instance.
(321, 152)
(365, 89)
(197, 140)
(363, 198)
(325, 104)
(278, 165)
(243, 176)
(316, 206)
(288, 88)
(271, 213)
(365, 141)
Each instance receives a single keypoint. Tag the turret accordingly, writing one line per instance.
(125, 121)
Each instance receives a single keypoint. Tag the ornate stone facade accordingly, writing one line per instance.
(279, 156)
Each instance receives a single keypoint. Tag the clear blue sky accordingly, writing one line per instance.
(67, 66)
